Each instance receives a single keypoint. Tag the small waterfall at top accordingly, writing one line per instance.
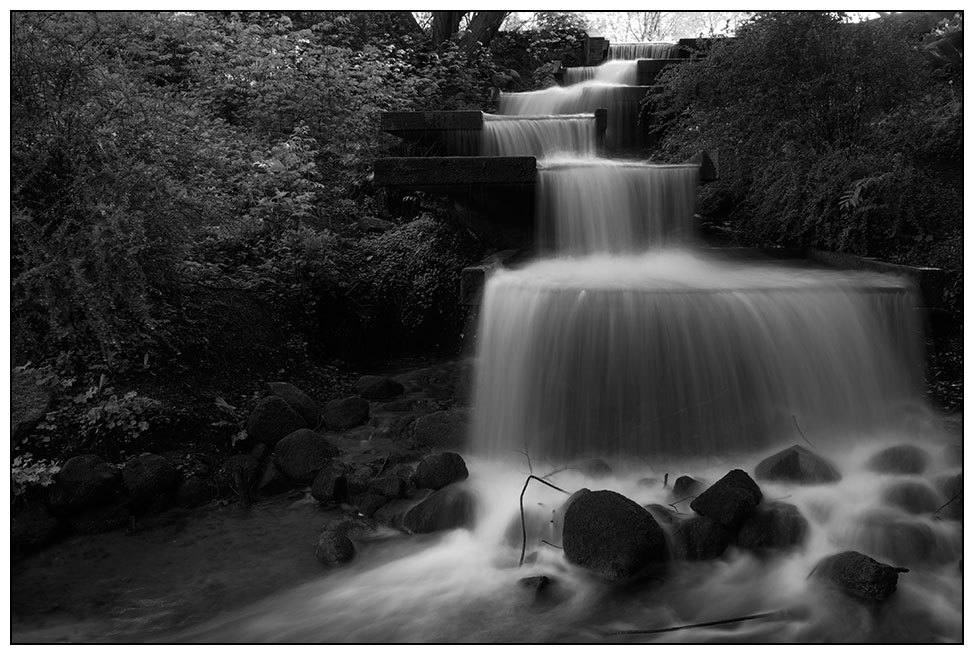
(650, 50)
(538, 136)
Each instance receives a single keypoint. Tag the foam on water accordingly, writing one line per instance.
(538, 136)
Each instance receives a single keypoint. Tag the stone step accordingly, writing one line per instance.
(646, 71)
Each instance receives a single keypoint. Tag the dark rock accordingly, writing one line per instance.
(260, 451)
(905, 459)
(99, 519)
(388, 486)
(354, 526)
(798, 465)
(729, 500)
(298, 400)
(334, 549)
(685, 486)
(446, 509)
(663, 515)
(272, 481)
(437, 470)
(594, 468)
(83, 482)
(301, 454)
(148, 479)
(346, 413)
(376, 387)
(392, 513)
(395, 429)
(699, 538)
(399, 405)
(194, 491)
(30, 531)
(240, 473)
(953, 490)
(611, 536)
(29, 403)
(272, 420)
(913, 497)
(359, 478)
(858, 575)
(535, 583)
(330, 485)
(775, 526)
(369, 504)
(443, 429)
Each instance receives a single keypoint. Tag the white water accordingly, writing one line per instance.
(617, 72)
(650, 50)
(538, 136)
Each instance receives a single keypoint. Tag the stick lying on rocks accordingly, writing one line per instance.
(524, 528)
(752, 617)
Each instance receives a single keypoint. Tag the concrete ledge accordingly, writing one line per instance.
(436, 172)
(595, 49)
(709, 164)
(404, 122)
(472, 278)
(930, 281)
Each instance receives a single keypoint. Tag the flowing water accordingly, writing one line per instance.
(538, 136)
(648, 50)
(618, 71)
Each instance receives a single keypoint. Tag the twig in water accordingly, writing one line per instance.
(527, 457)
(953, 498)
(524, 528)
(738, 619)
(545, 541)
(675, 502)
(563, 468)
(666, 480)
(800, 431)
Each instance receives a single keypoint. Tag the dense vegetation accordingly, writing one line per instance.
(844, 136)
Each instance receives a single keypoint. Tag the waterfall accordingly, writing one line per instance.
(616, 72)
(603, 205)
(653, 50)
(538, 136)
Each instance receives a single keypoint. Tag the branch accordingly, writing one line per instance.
(738, 619)
(524, 528)
(800, 431)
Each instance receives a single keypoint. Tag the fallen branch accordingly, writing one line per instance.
(795, 420)
(738, 619)
(524, 527)
(953, 498)
(548, 543)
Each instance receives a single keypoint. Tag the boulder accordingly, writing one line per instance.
(359, 477)
(368, 504)
(399, 405)
(272, 420)
(729, 500)
(775, 526)
(376, 387)
(446, 509)
(392, 513)
(330, 485)
(29, 403)
(685, 486)
(443, 429)
(301, 454)
(334, 548)
(389, 486)
(594, 468)
(30, 531)
(437, 470)
(346, 413)
(611, 536)
(905, 459)
(912, 496)
(899, 539)
(194, 491)
(353, 526)
(393, 429)
(858, 575)
(149, 479)
(99, 519)
(298, 400)
(85, 481)
(699, 538)
(272, 481)
(797, 465)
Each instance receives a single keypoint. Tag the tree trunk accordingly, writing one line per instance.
(445, 25)
(483, 27)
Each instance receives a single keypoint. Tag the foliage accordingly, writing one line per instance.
(26, 472)
(831, 134)
(552, 36)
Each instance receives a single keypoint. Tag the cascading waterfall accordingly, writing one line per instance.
(616, 72)
(649, 50)
(538, 136)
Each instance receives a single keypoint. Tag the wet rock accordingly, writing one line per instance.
(953, 491)
(272, 420)
(30, 531)
(346, 413)
(334, 549)
(272, 482)
(301, 454)
(148, 479)
(330, 485)
(443, 429)
(399, 405)
(392, 513)
(99, 519)
(29, 403)
(797, 465)
(700, 538)
(83, 482)
(898, 539)
(298, 400)
(858, 575)
(368, 504)
(388, 486)
(359, 477)
(194, 491)
(446, 509)
(593, 468)
(437, 470)
(535, 583)
(376, 387)
(729, 500)
(905, 459)
(913, 497)
(354, 526)
(685, 486)
(775, 526)
(611, 536)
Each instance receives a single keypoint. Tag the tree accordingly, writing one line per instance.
(480, 29)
